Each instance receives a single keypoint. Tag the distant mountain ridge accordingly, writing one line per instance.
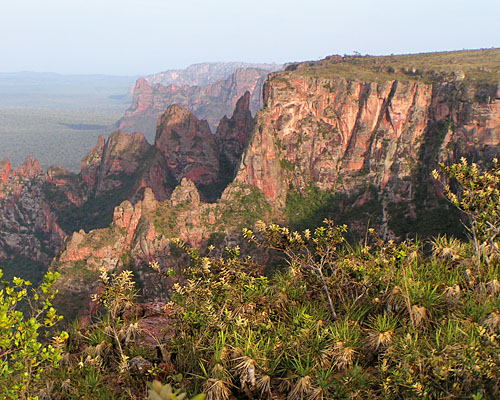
(203, 74)
(209, 90)
(210, 103)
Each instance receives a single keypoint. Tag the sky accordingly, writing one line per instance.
(138, 37)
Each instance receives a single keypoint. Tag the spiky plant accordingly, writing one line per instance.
(381, 331)
(217, 389)
(246, 369)
(302, 389)
(263, 385)
(347, 343)
(447, 248)
(424, 300)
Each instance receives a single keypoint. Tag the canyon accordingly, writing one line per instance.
(210, 91)
(39, 208)
(351, 138)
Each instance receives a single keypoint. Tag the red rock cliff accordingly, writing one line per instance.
(233, 133)
(210, 102)
(28, 225)
(342, 134)
(188, 146)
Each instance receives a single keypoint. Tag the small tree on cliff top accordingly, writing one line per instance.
(478, 197)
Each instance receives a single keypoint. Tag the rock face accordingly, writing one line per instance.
(210, 102)
(204, 74)
(125, 163)
(188, 146)
(232, 135)
(184, 147)
(334, 133)
(346, 135)
(28, 226)
(122, 154)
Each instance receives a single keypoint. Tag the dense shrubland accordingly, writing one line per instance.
(336, 320)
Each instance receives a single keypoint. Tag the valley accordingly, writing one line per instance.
(298, 214)
(335, 138)
(58, 118)
(40, 111)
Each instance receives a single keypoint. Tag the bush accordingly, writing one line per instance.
(24, 357)
(478, 197)
(380, 320)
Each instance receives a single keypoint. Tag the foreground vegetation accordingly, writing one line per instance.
(377, 320)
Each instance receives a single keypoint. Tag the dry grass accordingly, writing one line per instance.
(479, 66)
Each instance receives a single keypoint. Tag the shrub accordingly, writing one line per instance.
(24, 357)
(478, 196)
(380, 320)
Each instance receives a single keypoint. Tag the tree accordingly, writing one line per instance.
(478, 197)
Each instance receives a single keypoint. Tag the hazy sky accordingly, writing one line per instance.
(146, 36)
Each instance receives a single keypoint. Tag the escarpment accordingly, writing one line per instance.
(366, 139)
(350, 138)
(39, 208)
(209, 101)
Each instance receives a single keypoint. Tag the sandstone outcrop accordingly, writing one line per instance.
(188, 146)
(232, 136)
(210, 102)
(125, 164)
(28, 226)
(347, 135)
(122, 155)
